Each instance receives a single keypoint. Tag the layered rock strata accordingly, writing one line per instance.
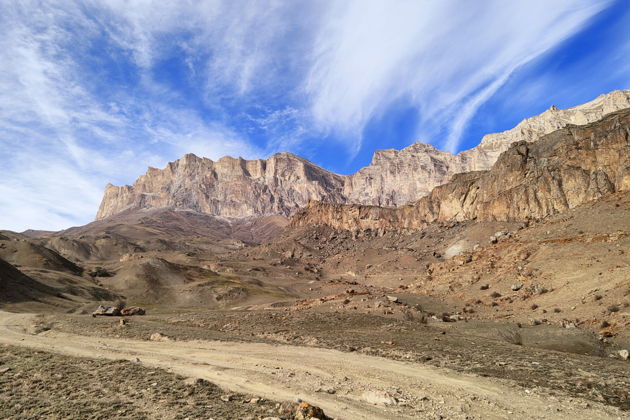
(229, 187)
(397, 177)
(284, 183)
(560, 171)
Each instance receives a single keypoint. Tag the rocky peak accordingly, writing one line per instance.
(281, 184)
(396, 177)
(562, 170)
(229, 187)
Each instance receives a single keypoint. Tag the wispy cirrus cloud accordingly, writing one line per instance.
(444, 57)
(93, 92)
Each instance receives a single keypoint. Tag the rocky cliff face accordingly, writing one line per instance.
(284, 183)
(397, 177)
(229, 187)
(566, 168)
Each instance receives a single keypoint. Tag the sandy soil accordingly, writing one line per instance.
(41, 385)
(344, 384)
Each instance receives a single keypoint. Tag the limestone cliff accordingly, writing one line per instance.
(229, 187)
(284, 183)
(397, 177)
(566, 168)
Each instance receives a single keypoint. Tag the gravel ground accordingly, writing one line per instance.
(495, 352)
(36, 384)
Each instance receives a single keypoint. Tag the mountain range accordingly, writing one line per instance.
(284, 183)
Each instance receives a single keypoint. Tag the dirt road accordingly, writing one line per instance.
(345, 385)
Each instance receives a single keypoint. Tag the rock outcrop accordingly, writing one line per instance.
(229, 187)
(562, 170)
(397, 177)
(284, 183)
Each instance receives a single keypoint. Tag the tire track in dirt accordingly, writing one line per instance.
(333, 380)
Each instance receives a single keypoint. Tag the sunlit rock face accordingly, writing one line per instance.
(397, 177)
(284, 183)
(560, 171)
(229, 187)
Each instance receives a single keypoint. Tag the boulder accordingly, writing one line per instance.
(106, 311)
(133, 310)
(159, 337)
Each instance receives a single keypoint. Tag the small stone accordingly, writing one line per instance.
(623, 354)
(159, 337)
(227, 398)
(379, 398)
(517, 286)
(196, 381)
(392, 299)
(306, 411)
(4, 370)
(254, 401)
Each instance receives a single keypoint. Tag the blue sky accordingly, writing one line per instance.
(93, 92)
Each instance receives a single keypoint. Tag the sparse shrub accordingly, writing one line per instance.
(100, 272)
(613, 308)
(557, 310)
(495, 295)
(534, 307)
(408, 315)
(512, 337)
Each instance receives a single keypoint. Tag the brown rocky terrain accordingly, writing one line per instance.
(115, 389)
(397, 177)
(502, 292)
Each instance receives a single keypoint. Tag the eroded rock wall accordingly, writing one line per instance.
(562, 170)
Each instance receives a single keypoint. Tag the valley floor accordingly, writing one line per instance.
(386, 369)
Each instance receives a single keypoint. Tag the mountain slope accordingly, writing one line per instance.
(397, 177)
(563, 169)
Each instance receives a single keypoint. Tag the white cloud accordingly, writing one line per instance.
(308, 68)
(444, 57)
(59, 142)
